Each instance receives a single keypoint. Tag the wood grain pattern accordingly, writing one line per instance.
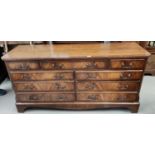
(77, 76)
(23, 65)
(109, 75)
(108, 86)
(41, 75)
(107, 97)
(44, 86)
(45, 97)
(70, 51)
(127, 64)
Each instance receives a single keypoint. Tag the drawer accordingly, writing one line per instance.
(87, 64)
(90, 64)
(108, 97)
(44, 86)
(109, 75)
(41, 75)
(127, 63)
(107, 86)
(23, 65)
(45, 97)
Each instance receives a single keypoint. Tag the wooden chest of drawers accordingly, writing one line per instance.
(77, 76)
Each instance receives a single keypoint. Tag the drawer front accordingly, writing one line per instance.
(38, 76)
(109, 75)
(107, 97)
(90, 64)
(45, 97)
(54, 65)
(107, 86)
(44, 86)
(24, 65)
(127, 64)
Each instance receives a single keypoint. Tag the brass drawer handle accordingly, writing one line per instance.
(61, 97)
(59, 87)
(127, 65)
(26, 77)
(29, 87)
(24, 66)
(59, 76)
(90, 86)
(91, 65)
(124, 87)
(58, 65)
(91, 76)
(125, 76)
(92, 97)
(33, 97)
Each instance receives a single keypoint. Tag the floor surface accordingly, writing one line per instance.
(147, 101)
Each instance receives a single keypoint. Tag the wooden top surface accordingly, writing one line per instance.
(65, 51)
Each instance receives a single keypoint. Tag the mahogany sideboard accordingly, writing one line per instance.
(77, 76)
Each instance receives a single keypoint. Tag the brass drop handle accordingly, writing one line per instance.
(125, 76)
(125, 64)
(91, 65)
(124, 87)
(34, 97)
(92, 97)
(59, 87)
(60, 97)
(91, 76)
(24, 66)
(29, 87)
(90, 86)
(58, 65)
(59, 76)
(26, 77)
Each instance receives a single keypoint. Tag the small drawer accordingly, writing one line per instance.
(44, 86)
(45, 97)
(55, 65)
(41, 76)
(107, 97)
(109, 75)
(127, 63)
(23, 65)
(107, 86)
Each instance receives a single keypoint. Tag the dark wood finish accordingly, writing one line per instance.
(108, 86)
(41, 75)
(127, 64)
(44, 86)
(45, 97)
(77, 76)
(107, 97)
(109, 75)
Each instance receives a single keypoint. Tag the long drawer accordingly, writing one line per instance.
(41, 75)
(127, 63)
(76, 64)
(23, 65)
(44, 86)
(107, 86)
(108, 97)
(45, 97)
(109, 75)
